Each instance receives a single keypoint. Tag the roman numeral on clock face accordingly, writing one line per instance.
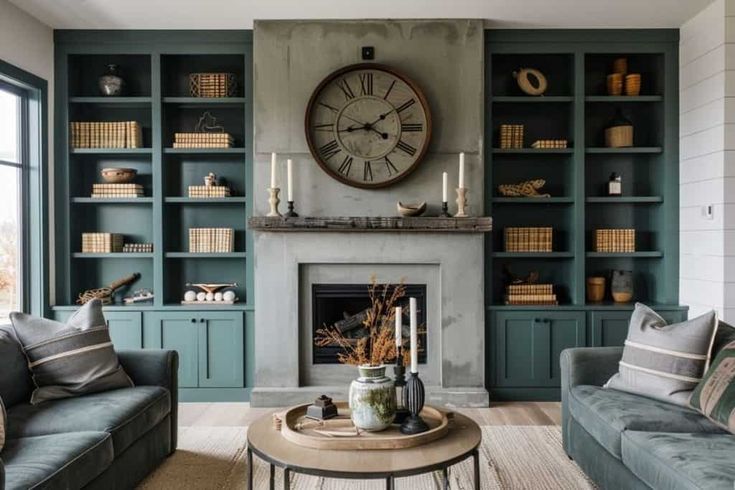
(367, 171)
(411, 127)
(327, 106)
(346, 165)
(325, 127)
(330, 149)
(405, 105)
(389, 165)
(406, 148)
(366, 84)
(346, 89)
(390, 88)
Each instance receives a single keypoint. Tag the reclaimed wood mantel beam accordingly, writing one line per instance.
(371, 224)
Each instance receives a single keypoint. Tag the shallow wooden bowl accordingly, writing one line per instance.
(117, 175)
(411, 209)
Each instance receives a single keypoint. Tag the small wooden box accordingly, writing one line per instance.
(101, 243)
(528, 239)
(615, 240)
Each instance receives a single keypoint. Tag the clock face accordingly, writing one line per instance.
(368, 126)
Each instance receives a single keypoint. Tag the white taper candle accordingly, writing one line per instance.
(289, 169)
(414, 338)
(399, 326)
(273, 170)
(444, 187)
(461, 170)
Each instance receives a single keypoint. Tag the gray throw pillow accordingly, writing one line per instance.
(661, 361)
(70, 359)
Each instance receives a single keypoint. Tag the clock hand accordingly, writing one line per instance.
(364, 125)
(381, 117)
(382, 135)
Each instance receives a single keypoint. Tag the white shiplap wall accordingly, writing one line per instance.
(707, 166)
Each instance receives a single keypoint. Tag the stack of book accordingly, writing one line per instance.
(121, 134)
(137, 248)
(615, 240)
(203, 140)
(212, 84)
(211, 240)
(549, 144)
(117, 190)
(511, 136)
(101, 243)
(203, 191)
(528, 239)
(530, 294)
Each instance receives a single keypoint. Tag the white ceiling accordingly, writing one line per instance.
(239, 14)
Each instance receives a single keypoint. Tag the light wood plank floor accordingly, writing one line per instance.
(241, 414)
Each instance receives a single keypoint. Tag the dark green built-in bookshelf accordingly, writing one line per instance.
(155, 66)
(524, 341)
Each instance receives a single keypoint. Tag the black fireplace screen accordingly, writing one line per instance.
(342, 305)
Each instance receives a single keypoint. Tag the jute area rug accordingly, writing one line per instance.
(512, 457)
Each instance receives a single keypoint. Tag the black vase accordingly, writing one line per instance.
(111, 83)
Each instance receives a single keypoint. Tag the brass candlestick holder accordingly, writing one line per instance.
(274, 201)
(461, 202)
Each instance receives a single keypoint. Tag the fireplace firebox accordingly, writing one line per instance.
(343, 306)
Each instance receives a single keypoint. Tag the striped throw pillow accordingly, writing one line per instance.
(70, 359)
(714, 397)
(661, 361)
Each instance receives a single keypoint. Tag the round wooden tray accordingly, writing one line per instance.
(340, 433)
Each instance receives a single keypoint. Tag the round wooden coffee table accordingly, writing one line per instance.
(462, 441)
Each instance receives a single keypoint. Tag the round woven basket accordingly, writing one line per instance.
(619, 136)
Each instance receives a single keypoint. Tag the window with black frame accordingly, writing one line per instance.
(13, 135)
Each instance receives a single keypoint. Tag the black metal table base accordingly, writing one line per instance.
(390, 483)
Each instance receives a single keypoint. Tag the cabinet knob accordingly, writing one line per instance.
(193, 320)
(201, 320)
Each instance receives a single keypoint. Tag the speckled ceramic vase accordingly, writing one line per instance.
(372, 399)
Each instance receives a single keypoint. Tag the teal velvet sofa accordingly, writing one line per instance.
(627, 441)
(109, 440)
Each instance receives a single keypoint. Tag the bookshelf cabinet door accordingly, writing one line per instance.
(528, 345)
(177, 331)
(221, 347)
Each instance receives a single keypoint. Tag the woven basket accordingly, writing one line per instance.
(101, 243)
(619, 136)
(212, 84)
(615, 240)
(530, 239)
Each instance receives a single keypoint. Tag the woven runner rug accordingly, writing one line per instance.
(512, 457)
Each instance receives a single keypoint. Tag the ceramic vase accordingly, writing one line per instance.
(372, 399)
(111, 83)
(621, 286)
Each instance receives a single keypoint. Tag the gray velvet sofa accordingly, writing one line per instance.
(109, 440)
(628, 441)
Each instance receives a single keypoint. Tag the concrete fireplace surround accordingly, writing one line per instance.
(455, 371)
(446, 59)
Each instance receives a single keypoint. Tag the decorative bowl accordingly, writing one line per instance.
(411, 208)
(118, 175)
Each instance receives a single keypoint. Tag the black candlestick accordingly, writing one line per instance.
(400, 381)
(445, 210)
(291, 213)
(413, 399)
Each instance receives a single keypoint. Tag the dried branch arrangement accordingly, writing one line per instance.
(378, 346)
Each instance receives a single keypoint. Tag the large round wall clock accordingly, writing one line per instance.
(367, 125)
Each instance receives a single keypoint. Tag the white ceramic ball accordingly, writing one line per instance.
(190, 296)
(201, 296)
(210, 296)
(218, 296)
(229, 296)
